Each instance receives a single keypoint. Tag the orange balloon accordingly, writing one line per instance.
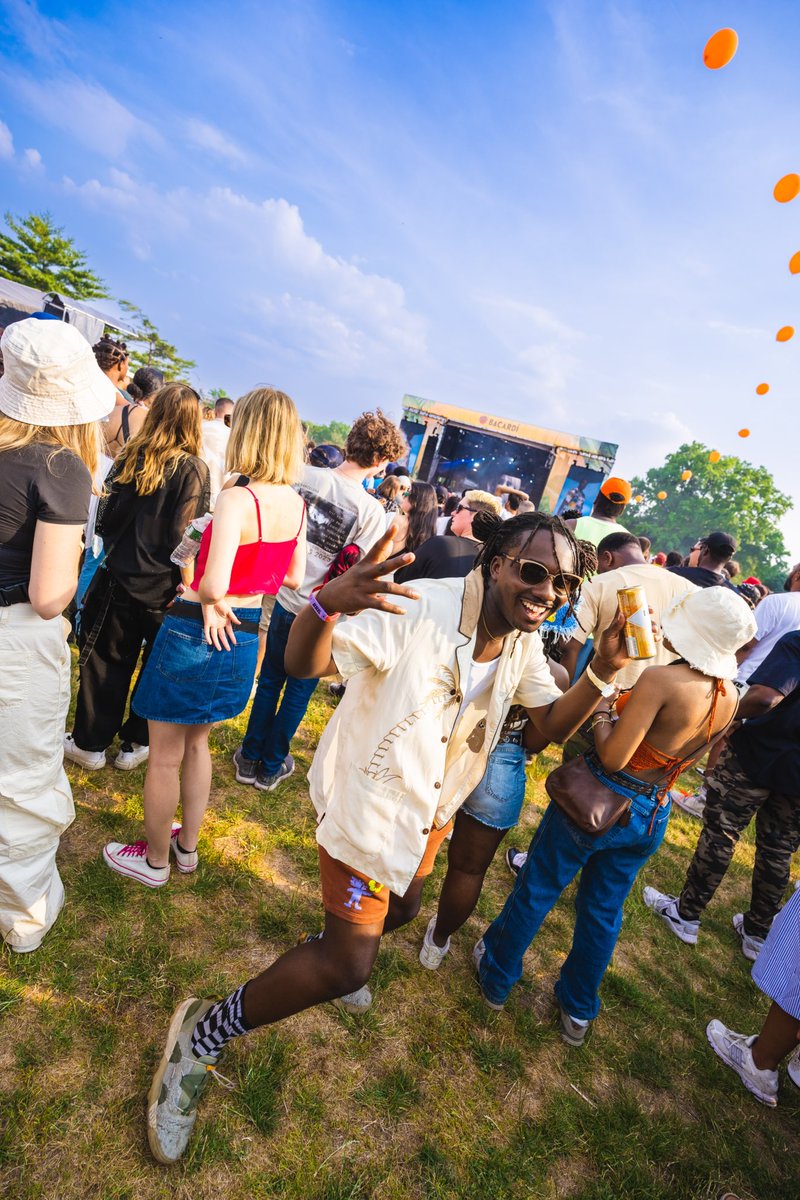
(714, 456)
(744, 433)
(686, 476)
(638, 499)
(794, 263)
(662, 495)
(762, 389)
(786, 188)
(720, 48)
(785, 333)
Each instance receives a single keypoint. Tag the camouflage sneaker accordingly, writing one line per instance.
(178, 1084)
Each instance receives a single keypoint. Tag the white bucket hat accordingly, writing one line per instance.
(707, 627)
(51, 376)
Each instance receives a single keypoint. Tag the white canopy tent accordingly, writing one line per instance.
(18, 301)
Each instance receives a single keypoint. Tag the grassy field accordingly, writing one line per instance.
(429, 1095)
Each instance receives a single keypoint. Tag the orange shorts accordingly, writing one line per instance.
(354, 897)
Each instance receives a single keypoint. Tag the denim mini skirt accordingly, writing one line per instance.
(497, 800)
(187, 682)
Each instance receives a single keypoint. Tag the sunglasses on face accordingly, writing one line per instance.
(465, 508)
(532, 572)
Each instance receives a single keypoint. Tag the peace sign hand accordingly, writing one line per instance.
(365, 585)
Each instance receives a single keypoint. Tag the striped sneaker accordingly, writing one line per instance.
(131, 860)
(185, 860)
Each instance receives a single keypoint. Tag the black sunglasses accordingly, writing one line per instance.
(532, 572)
(465, 508)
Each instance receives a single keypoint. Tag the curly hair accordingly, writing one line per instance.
(373, 438)
(499, 536)
(109, 352)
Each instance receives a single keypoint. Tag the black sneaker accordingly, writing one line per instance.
(268, 783)
(246, 768)
(515, 860)
(337, 689)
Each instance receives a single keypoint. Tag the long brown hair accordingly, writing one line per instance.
(423, 511)
(83, 440)
(172, 430)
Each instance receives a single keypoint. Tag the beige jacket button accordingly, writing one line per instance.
(426, 831)
(444, 738)
(437, 785)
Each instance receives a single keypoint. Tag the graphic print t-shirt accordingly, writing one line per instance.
(339, 513)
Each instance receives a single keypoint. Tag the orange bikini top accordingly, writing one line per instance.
(647, 758)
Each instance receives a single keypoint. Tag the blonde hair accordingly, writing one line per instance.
(172, 430)
(267, 439)
(82, 440)
(482, 501)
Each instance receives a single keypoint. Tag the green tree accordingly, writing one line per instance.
(152, 350)
(219, 393)
(35, 251)
(335, 432)
(731, 494)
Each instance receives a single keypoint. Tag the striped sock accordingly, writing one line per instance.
(221, 1023)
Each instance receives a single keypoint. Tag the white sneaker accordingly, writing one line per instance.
(131, 754)
(90, 760)
(178, 1085)
(185, 860)
(793, 1067)
(667, 908)
(354, 1003)
(751, 946)
(131, 860)
(694, 805)
(735, 1051)
(431, 955)
(573, 1030)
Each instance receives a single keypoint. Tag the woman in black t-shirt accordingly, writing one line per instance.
(51, 398)
(157, 486)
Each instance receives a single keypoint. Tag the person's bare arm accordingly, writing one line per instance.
(616, 743)
(757, 700)
(54, 567)
(569, 659)
(308, 649)
(532, 740)
(558, 720)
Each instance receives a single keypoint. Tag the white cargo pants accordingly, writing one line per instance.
(35, 796)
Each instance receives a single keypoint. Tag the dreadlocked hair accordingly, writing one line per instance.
(109, 352)
(498, 536)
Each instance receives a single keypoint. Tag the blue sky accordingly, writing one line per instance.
(550, 211)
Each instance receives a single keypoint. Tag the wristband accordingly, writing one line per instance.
(317, 607)
(605, 689)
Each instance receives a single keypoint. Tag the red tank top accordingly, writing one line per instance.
(259, 568)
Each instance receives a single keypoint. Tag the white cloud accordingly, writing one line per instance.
(6, 142)
(85, 111)
(539, 342)
(208, 137)
(33, 159)
(257, 257)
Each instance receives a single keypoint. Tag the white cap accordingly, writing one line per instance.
(707, 626)
(51, 376)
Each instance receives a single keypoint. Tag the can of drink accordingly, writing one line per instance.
(638, 629)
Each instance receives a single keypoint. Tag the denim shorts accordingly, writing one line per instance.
(497, 800)
(187, 682)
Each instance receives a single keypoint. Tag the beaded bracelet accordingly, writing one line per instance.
(317, 607)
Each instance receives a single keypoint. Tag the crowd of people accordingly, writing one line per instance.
(197, 558)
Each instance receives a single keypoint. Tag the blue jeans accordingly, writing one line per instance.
(274, 721)
(497, 800)
(608, 865)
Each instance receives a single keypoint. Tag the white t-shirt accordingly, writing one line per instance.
(481, 675)
(441, 524)
(215, 445)
(340, 512)
(775, 616)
